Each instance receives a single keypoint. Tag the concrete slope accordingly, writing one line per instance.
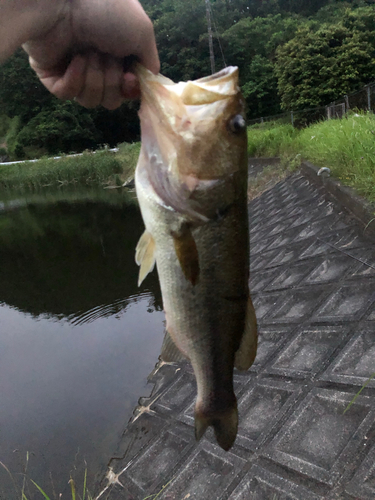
(313, 285)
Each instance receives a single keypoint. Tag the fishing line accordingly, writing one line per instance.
(217, 34)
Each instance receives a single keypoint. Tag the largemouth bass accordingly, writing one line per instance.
(191, 182)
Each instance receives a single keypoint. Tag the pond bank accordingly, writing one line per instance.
(102, 168)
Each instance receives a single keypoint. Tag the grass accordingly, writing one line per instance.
(75, 194)
(271, 139)
(128, 157)
(21, 491)
(346, 146)
(359, 392)
(101, 168)
(75, 495)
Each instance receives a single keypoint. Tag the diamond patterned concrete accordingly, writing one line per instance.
(313, 287)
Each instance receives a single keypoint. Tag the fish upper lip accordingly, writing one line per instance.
(223, 72)
(219, 86)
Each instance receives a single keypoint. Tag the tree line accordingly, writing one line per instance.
(291, 54)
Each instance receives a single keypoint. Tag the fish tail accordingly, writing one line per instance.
(225, 424)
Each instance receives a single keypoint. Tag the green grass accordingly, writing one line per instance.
(359, 392)
(101, 168)
(23, 490)
(128, 157)
(346, 146)
(271, 139)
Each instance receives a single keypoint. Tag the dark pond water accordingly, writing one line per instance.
(77, 336)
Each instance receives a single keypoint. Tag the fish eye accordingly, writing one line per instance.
(237, 124)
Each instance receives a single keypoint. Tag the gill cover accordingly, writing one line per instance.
(181, 125)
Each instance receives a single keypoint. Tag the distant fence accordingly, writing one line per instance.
(362, 100)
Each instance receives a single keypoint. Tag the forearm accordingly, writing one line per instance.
(23, 20)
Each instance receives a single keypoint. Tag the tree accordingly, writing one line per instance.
(251, 44)
(316, 67)
(21, 93)
(65, 128)
(45, 122)
(310, 52)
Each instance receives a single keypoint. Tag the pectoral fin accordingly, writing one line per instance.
(169, 351)
(247, 351)
(187, 254)
(145, 255)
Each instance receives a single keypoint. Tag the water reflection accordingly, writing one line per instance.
(113, 309)
(77, 337)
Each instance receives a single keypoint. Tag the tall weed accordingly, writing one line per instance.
(103, 167)
(271, 141)
(346, 146)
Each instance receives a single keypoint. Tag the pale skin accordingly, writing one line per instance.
(77, 47)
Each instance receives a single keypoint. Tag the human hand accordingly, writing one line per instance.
(81, 55)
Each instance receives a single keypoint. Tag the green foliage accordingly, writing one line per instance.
(251, 45)
(98, 168)
(20, 491)
(11, 136)
(316, 67)
(310, 52)
(65, 128)
(116, 126)
(307, 71)
(86, 169)
(271, 140)
(346, 146)
(47, 125)
(128, 157)
(178, 28)
(4, 125)
(260, 90)
(21, 93)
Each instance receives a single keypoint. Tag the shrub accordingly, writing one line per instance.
(64, 128)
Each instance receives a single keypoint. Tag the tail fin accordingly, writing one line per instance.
(225, 425)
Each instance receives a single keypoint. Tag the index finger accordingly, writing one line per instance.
(148, 52)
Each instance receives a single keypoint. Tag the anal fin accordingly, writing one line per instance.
(247, 351)
(145, 255)
(169, 351)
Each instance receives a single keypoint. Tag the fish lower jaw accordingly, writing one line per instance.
(224, 422)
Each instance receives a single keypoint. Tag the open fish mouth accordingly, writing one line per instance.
(206, 90)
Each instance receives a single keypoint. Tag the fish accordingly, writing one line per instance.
(191, 183)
